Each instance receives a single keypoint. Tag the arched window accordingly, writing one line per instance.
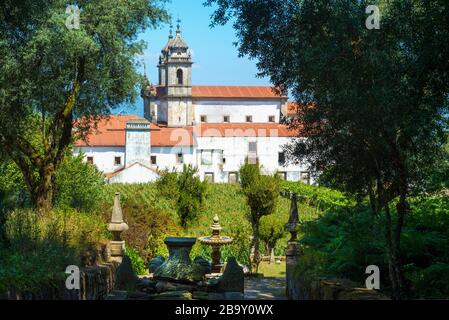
(180, 76)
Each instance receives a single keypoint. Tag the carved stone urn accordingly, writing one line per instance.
(179, 267)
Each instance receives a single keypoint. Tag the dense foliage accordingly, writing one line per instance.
(346, 239)
(77, 185)
(186, 189)
(149, 216)
(40, 247)
(58, 72)
(373, 102)
(152, 216)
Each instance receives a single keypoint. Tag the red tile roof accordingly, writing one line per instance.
(170, 137)
(238, 92)
(230, 92)
(111, 132)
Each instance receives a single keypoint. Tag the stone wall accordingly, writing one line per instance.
(333, 289)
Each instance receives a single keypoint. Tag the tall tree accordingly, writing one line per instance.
(54, 71)
(262, 193)
(375, 101)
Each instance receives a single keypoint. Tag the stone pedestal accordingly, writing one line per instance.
(216, 260)
(293, 250)
(292, 253)
(117, 251)
(116, 227)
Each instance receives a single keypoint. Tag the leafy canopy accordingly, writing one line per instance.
(62, 75)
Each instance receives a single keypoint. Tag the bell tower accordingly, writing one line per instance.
(175, 77)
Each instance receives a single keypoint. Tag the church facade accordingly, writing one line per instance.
(214, 128)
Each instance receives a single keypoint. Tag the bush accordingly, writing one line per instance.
(78, 185)
(324, 199)
(431, 282)
(186, 190)
(149, 216)
(345, 240)
(272, 229)
(137, 262)
(167, 184)
(42, 246)
(13, 192)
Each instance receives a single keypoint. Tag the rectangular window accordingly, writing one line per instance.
(305, 177)
(179, 158)
(118, 161)
(209, 177)
(221, 159)
(153, 160)
(281, 159)
(203, 119)
(283, 175)
(271, 119)
(252, 153)
(227, 119)
(90, 160)
(206, 157)
(233, 177)
(249, 118)
(252, 147)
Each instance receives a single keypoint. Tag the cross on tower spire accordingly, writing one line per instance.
(171, 31)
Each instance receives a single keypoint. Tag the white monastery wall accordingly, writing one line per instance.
(103, 157)
(237, 110)
(135, 174)
(167, 157)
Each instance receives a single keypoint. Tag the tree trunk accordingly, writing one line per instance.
(42, 195)
(256, 242)
(402, 208)
(272, 256)
(399, 286)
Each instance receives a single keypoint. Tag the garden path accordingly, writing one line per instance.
(265, 289)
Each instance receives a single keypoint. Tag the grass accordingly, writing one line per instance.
(274, 270)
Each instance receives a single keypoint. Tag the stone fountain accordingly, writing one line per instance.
(216, 241)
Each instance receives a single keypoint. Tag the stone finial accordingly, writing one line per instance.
(293, 222)
(117, 226)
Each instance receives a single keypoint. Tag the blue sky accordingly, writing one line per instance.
(216, 60)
